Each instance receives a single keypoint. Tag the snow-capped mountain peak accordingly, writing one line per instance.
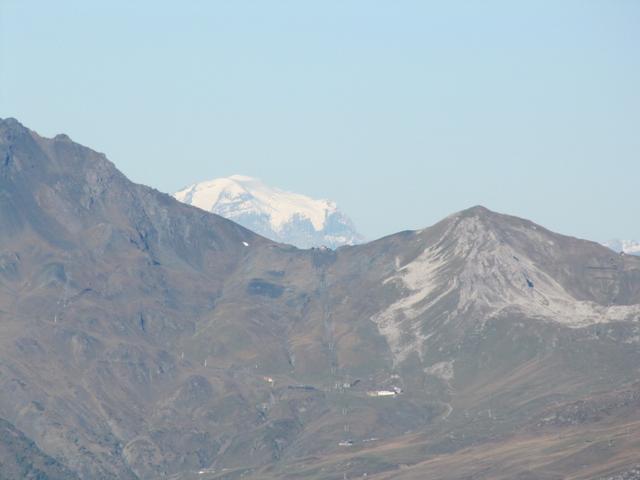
(630, 247)
(274, 213)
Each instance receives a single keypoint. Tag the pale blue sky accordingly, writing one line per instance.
(401, 111)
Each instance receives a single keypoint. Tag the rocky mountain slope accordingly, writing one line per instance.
(143, 338)
(282, 216)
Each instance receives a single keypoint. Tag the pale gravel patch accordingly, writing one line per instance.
(442, 370)
(493, 279)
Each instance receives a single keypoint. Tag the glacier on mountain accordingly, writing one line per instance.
(630, 247)
(274, 213)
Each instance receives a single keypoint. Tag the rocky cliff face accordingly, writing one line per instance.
(144, 338)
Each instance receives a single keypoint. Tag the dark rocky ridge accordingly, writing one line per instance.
(21, 458)
(141, 338)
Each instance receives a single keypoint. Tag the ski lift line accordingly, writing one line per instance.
(329, 335)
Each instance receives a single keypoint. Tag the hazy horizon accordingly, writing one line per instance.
(417, 273)
(401, 113)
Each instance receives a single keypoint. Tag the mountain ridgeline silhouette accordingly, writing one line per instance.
(143, 338)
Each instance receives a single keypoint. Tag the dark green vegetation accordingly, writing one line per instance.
(142, 338)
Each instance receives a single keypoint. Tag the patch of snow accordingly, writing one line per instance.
(630, 247)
